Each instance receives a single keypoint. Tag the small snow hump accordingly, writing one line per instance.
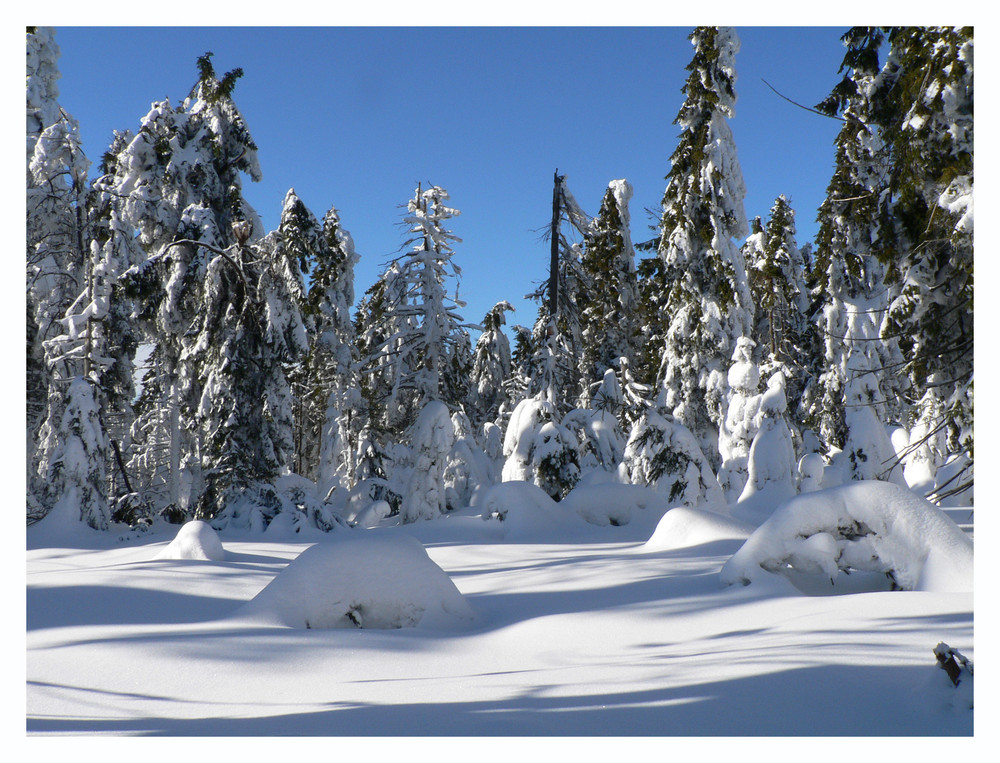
(361, 580)
(195, 540)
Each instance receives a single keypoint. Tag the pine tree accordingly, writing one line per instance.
(661, 453)
(303, 247)
(179, 181)
(415, 339)
(69, 280)
(742, 420)
(849, 281)
(609, 315)
(331, 295)
(556, 337)
(926, 114)
(708, 304)
(416, 354)
(491, 368)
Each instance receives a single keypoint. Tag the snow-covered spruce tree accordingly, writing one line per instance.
(742, 420)
(609, 316)
(423, 351)
(556, 336)
(248, 330)
(56, 246)
(537, 448)
(71, 272)
(776, 273)
(75, 467)
(179, 179)
(491, 368)
(772, 471)
(708, 304)
(331, 295)
(849, 281)
(926, 116)
(661, 453)
(44, 282)
(302, 247)
(468, 466)
(600, 442)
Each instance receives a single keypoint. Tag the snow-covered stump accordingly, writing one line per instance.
(868, 527)
(195, 540)
(361, 581)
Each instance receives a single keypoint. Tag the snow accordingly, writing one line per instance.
(361, 581)
(195, 540)
(577, 628)
(863, 526)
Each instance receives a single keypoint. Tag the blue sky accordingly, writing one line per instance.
(355, 117)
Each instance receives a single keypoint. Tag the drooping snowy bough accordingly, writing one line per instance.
(862, 526)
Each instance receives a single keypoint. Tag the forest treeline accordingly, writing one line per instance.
(182, 362)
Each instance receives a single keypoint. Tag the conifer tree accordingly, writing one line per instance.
(179, 182)
(556, 336)
(708, 304)
(69, 280)
(416, 353)
(776, 271)
(925, 95)
(850, 281)
(491, 368)
(609, 315)
(742, 420)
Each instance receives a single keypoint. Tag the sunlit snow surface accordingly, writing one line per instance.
(608, 630)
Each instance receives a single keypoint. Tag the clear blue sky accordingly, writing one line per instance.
(355, 117)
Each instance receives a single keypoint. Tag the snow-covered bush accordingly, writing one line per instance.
(772, 470)
(361, 580)
(292, 503)
(861, 526)
(525, 511)
(194, 540)
(662, 454)
(469, 468)
(431, 440)
(742, 422)
(539, 449)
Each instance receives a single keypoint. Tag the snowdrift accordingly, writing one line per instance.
(361, 581)
(685, 527)
(525, 511)
(865, 526)
(195, 540)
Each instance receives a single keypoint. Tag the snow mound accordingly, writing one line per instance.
(361, 580)
(525, 510)
(685, 527)
(195, 540)
(866, 526)
(614, 504)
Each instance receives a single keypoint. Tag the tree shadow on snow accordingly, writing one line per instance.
(843, 700)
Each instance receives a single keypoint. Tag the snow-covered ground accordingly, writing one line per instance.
(580, 629)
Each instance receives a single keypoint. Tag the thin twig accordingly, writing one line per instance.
(794, 103)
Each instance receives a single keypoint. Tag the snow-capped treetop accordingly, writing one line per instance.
(41, 80)
(708, 304)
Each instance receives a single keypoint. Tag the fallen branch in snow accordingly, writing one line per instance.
(953, 662)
